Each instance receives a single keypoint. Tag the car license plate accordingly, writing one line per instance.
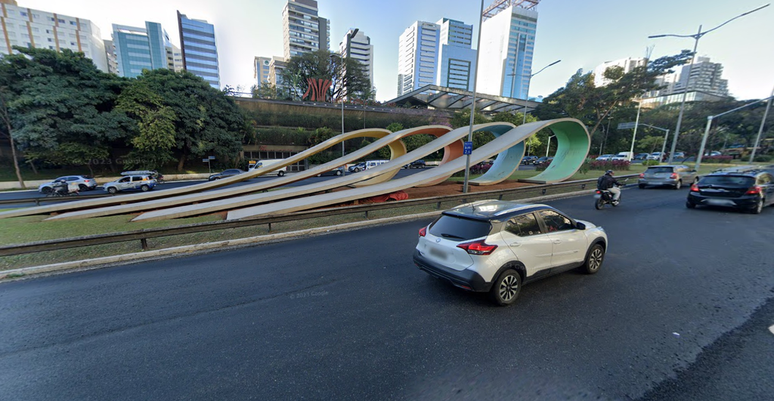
(719, 202)
(438, 253)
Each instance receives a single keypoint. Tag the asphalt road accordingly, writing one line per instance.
(679, 311)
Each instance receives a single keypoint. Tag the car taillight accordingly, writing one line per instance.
(673, 176)
(642, 175)
(694, 188)
(754, 190)
(477, 248)
(423, 231)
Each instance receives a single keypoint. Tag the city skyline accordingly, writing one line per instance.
(583, 35)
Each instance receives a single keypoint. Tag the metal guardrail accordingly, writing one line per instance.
(38, 201)
(144, 235)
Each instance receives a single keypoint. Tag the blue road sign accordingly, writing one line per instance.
(467, 148)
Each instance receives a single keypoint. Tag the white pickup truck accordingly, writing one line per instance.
(267, 162)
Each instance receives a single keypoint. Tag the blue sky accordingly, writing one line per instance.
(582, 34)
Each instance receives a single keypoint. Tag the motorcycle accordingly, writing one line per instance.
(603, 197)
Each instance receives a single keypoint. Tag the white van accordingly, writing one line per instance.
(628, 156)
(369, 164)
(252, 164)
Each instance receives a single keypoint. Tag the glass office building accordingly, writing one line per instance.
(200, 53)
(139, 48)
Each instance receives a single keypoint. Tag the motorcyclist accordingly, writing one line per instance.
(608, 183)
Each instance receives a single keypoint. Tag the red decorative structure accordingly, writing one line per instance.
(318, 88)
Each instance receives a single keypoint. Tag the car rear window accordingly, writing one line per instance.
(656, 170)
(459, 228)
(728, 181)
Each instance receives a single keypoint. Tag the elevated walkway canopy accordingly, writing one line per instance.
(452, 99)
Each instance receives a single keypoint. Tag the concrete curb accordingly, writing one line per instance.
(188, 250)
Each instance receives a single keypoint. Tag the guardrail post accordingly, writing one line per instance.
(144, 243)
(37, 201)
(366, 214)
(544, 191)
(269, 227)
(583, 186)
(438, 205)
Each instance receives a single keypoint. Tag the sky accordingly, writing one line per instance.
(583, 34)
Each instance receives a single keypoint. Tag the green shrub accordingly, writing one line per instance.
(650, 162)
(763, 158)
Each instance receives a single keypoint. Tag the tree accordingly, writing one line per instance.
(346, 74)
(5, 116)
(155, 139)
(61, 107)
(650, 143)
(206, 121)
(581, 99)
(264, 91)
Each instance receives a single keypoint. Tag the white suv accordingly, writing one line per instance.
(495, 246)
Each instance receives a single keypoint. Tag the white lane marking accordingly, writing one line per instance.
(771, 329)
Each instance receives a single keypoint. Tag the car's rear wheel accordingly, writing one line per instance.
(642, 186)
(82, 187)
(112, 190)
(506, 288)
(46, 191)
(145, 188)
(594, 258)
(690, 205)
(281, 173)
(339, 172)
(679, 184)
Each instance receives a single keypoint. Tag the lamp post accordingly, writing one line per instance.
(350, 34)
(636, 123)
(526, 95)
(473, 101)
(549, 144)
(696, 38)
(760, 130)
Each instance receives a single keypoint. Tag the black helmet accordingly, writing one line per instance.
(609, 172)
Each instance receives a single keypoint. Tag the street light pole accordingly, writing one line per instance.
(526, 95)
(349, 41)
(760, 130)
(696, 38)
(473, 102)
(636, 123)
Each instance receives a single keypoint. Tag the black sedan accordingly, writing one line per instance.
(225, 174)
(747, 190)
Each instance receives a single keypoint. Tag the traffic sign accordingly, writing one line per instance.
(467, 148)
(626, 125)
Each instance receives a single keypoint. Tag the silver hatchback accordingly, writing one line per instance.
(674, 176)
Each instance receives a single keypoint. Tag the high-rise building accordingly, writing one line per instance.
(110, 54)
(360, 49)
(26, 27)
(199, 50)
(277, 66)
(456, 58)
(303, 30)
(704, 76)
(627, 64)
(261, 70)
(507, 45)
(436, 54)
(137, 48)
(417, 56)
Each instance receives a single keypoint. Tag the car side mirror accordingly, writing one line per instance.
(580, 226)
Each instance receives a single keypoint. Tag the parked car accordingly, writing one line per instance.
(529, 160)
(658, 156)
(142, 183)
(713, 153)
(605, 157)
(750, 190)
(357, 167)
(151, 173)
(336, 171)
(544, 160)
(641, 156)
(678, 155)
(623, 156)
(496, 246)
(225, 174)
(669, 175)
(85, 183)
(416, 164)
(481, 168)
